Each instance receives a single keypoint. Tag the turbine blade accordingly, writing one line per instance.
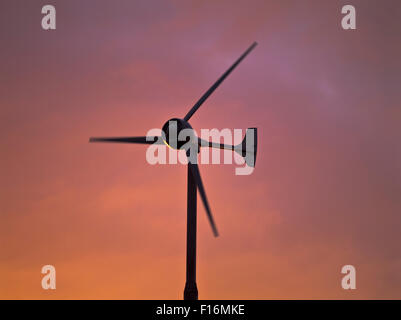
(196, 174)
(140, 140)
(217, 83)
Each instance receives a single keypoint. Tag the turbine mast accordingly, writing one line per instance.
(191, 290)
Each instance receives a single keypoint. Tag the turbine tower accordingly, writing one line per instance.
(170, 132)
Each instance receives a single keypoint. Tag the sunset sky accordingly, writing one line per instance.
(326, 191)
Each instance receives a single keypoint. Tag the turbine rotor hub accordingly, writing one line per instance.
(178, 134)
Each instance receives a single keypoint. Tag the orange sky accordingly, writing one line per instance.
(325, 191)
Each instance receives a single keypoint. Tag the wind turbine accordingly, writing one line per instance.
(170, 136)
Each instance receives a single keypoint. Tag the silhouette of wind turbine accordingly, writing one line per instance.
(170, 136)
